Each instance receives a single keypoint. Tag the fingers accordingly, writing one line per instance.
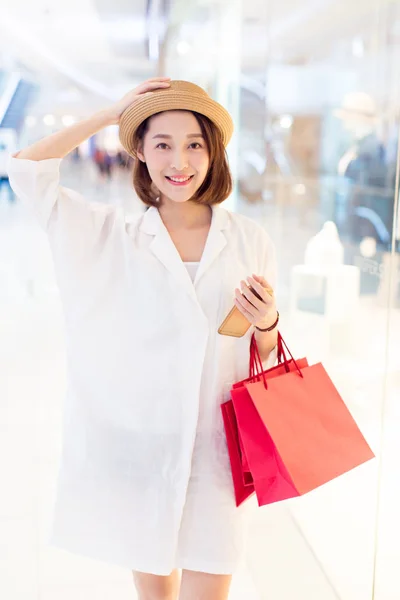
(254, 308)
(249, 311)
(263, 283)
(251, 297)
(262, 297)
(143, 89)
(253, 305)
(259, 289)
(259, 278)
(157, 83)
(153, 84)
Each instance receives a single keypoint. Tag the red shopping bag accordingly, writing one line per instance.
(242, 481)
(255, 366)
(297, 432)
(241, 474)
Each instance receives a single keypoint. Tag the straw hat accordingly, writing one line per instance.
(357, 106)
(181, 95)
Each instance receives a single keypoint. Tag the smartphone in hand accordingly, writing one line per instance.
(235, 323)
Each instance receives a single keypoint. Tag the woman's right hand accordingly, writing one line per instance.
(144, 89)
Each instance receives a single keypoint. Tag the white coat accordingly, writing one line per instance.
(144, 480)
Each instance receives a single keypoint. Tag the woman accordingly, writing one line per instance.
(145, 478)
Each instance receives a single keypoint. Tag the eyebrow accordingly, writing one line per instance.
(164, 136)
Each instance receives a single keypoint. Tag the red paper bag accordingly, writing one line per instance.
(298, 435)
(242, 481)
(241, 475)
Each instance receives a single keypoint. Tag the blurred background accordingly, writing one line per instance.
(314, 91)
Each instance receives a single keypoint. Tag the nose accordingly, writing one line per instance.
(179, 161)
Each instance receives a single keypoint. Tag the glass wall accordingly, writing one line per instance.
(316, 157)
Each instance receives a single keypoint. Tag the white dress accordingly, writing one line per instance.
(144, 480)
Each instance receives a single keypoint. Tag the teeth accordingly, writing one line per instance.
(180, 180)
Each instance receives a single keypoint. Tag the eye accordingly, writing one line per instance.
(162, 144)
(195, 144)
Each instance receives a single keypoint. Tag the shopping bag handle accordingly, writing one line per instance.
(281, 354)
(290, 354)
(256, 367)
(256, 359)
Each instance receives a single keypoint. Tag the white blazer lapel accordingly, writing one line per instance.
(216, 240)
(164, 249)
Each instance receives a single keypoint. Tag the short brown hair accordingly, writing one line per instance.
(217, 184)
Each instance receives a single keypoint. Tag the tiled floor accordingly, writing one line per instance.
(320, 547)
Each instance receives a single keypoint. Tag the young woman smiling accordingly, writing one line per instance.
(145, 478)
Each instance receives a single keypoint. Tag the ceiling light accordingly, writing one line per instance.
(49, 119)
(286, 121)
(183, 47)
(299, 189)
(67, 120)
(368, 247)
(30, 121)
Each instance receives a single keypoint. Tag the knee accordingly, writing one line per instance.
(156, 587)
(161, 595)
(158, 593)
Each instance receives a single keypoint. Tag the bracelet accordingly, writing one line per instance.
(272, 326)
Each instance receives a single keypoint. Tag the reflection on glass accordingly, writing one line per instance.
(322, 180)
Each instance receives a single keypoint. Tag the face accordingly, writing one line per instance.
(176, 155)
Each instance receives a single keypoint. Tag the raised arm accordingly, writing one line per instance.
(61, 143)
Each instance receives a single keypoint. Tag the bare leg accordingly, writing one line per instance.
(157, 587)
(204, 586)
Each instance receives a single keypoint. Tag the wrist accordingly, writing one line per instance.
(109, 116)
(268, 325)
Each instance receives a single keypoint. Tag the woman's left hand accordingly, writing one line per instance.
(261, 313)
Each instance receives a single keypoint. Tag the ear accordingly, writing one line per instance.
(140, 156)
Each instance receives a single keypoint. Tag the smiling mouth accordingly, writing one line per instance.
(179, 180)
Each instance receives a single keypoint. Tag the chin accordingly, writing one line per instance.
(178, 196)
(177, 199)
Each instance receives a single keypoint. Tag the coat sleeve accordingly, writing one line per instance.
(77, 230)
(37, 184)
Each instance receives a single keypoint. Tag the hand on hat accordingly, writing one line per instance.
(144, 89)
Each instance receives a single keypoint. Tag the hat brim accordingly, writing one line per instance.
(345, 113)
(170, 99)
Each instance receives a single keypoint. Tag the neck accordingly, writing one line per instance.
(185, 215)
